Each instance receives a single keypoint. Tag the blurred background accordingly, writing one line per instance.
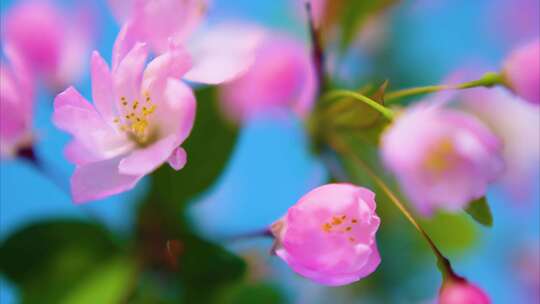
(417, 42)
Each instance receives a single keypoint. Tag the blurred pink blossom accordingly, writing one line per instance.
(138, 121)
(157, 21)
(53, 43)
(16, 106)
(516, 122)
(442, 158)
(522, 71)
(282, 76)
(520, 18)
(219, 53)
(328, 236)
(462, 292)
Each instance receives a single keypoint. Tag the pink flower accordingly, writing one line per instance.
(219, 54)
(138, 121)
(54, 44)
(515, 122)
(442, 158)
(158, 21)
(16, 106)
(282, 76)
(329, 235)
(522, 71)
(462, 292)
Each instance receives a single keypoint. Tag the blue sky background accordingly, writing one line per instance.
(272, 165)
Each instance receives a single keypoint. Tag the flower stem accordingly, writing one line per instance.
(340, 146)
(332, 95)
(488, 80)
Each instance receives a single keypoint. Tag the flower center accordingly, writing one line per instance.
(340, 224)
(135, 119)
(440, 158)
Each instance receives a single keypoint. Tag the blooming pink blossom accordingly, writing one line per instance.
(16, 106)
(462, 292)
(515, 122)
(54, 44)
(282, 76)
(522, 71)
(138, 121)
(219, 53)
(442, 158)
(329, 235)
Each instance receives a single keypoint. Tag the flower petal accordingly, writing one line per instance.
(100, 179)
(127, 76)
(125, 41)
(144, 161)
(175, 113)
(76, 153)
(102, 88)
(173, 63)
(73, 114)
(178, 158)
(223, 53)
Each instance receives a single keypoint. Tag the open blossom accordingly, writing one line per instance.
(462, 292)
(16, 106)
(282, 76)
(442, 158)
(53, 43)
(219, 53)
(522, 71)
(138, 121)
(515, 122)
(328, 236)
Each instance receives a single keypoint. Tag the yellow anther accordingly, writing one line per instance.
(349, 228)
(326, 227)
(354, 221)
(336, 221)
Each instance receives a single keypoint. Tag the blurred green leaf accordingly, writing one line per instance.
(252, 293)
(350, 15)
(208, 149)
(451, 232)
(47, 259)
(204, 267)
(107, 284)
(480, 212)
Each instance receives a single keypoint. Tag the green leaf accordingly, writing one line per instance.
(45, 260)
(205, 266)
(108, 283)
(351, 15)
(451, 232)
(261, 293)
(208, 147)
(480, 212)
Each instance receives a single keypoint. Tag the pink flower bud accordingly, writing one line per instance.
(522, 71)
(462, 292)
(442, 158)
(282, 76)
(329, 235)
